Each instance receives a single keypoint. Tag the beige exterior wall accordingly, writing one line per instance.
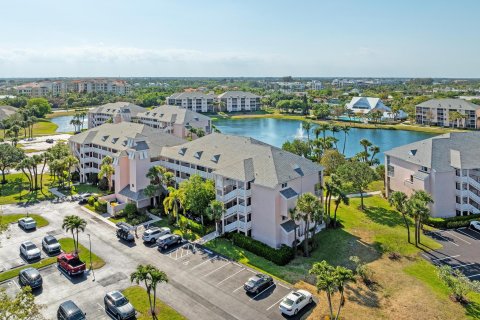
(443, 193)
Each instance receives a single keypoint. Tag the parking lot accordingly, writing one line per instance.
(461, 250)
(229, 277)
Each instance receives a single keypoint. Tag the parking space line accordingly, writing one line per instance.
(226, 264)
(238, 288)
(474, 275)
(198, 265)
(474, 231)
(273, 305)
(445, 258)
(463, 265)
(16, 284)
(440, 236)
(101, 307)
(231, 276)
(262, 291)
(457, 237)
(468, 235)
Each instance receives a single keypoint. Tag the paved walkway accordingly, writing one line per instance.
(371, 193)
(207, 237)
(56, 192)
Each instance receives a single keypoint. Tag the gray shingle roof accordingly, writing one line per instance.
(135, 196)
(7, 111)
(457, 104)
(458, 149)
(244, 159)
(121, 107)
(289, 226)
(237, 94)
(173, 114)
(288, 193)
(115, 136)
(191, 95)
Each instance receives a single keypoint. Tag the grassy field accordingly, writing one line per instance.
(42, 128)
(16, 190)
(84, 253)
(139, 299)
(404, 289)
(13, 218)
(67, 246)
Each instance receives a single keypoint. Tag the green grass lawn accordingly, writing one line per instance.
(67, 246)
(139, 299)
(11, 218)
(84, 253)
(43, 127)
(16, 189)
(190, 235)
(117, 220)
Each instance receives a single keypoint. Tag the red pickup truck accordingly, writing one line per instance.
(71, 263)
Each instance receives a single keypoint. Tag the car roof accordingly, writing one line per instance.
(165, 236)
(69, 306)
(27, 219)
(115, 295)
(151, 229)
(30, 271)
(49, 237)
(27, 243)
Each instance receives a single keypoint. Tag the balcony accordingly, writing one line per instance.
(231, 210)
(231, 226)
(229, 196)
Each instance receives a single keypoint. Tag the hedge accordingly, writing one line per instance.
(453, 222)
(280, 256)
(100, 206)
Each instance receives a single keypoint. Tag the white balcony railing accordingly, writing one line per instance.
(230, 227)
(231, 210)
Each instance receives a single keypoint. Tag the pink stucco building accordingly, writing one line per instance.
(445, 166)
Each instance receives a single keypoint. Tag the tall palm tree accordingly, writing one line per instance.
(107, 170)
(317, 131)
(307, 205)
(215, 211)
(74, 224)
(307, 126)
(295, 217)
(398, 200)
(374, 150)
(150, 276)
(173, 202)
(345, 130)
(324, 127)
(365, 144)
(342, 197)
(335, 129)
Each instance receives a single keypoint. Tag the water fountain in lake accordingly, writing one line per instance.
(300, 134)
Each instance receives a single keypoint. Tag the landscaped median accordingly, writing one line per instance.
(13, 218)
(139, 299)
(67, 246)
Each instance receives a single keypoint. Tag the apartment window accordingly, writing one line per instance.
(457, 172)
(249, 201)
(284, 185)
(390, 171)
(249, 217)
(457, 185)
(424, 169)
(458, 213)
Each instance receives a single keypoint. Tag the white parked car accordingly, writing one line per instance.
(29, 250)
(295, 301)
(475, 225)
(152, 234)
(27, 223)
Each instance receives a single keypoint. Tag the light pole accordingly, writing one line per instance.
(90, 245)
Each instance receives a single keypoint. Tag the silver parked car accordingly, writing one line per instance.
(51, 245)
(27, 223)
(118, 305)
(153, 234)
(29, 250)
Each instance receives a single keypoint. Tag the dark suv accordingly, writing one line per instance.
(68, 310)
(30, 277)
(167, 240)
(258, 283)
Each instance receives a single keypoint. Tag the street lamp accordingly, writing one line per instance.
(91, 266)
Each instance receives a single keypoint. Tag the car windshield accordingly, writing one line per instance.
(253, 282)
(51, 241)
(288, 302)
(77, 316)
(121, 302)
(30, 246)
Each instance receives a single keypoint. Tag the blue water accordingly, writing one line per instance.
(64, 125)
(277, 131)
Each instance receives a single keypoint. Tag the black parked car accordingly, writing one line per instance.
(167, 240)
(124, 231)
(30, 277)
(258, 283)
(68, 310)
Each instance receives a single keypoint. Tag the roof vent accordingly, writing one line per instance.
(182, 151)
(104, 138)
(198, 154)
(196, 118)
(215, 158)
(412, 152)
(114, 140)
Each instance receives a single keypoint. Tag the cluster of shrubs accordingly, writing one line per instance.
(99, 206)
(280, 256)
(196, 227)
(132, 215)
(451, 223)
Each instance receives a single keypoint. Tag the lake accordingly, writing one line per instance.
(277, 131)
(63, 123)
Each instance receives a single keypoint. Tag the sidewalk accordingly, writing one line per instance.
(207, 238)
(371, 193)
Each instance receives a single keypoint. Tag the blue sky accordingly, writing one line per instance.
(394, 38)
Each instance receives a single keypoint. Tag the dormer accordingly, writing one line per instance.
(182, 151)
(198, 154)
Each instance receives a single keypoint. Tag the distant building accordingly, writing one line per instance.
(7, 111)
(115, 112)
(195, 101)
(59, 87)
(367, 105)
(445, 166)
(239, 101)
(438, 112)
(316, 85)
(174, 120)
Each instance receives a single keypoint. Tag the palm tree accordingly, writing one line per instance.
(151, 192)
(417, 207)
(335, 129)
(215, 211)
(345, 130)
(307, 126)
(317, 131)
(324, 127)
(173, 202)
(307, 205)
(342, 197)
(295, 217)
(74, 224)
(107, 170)
(150, 276)
(398, 200)
(374, 150)
(83, 114)
(200, 132)
(13, 133)
(365, 144)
